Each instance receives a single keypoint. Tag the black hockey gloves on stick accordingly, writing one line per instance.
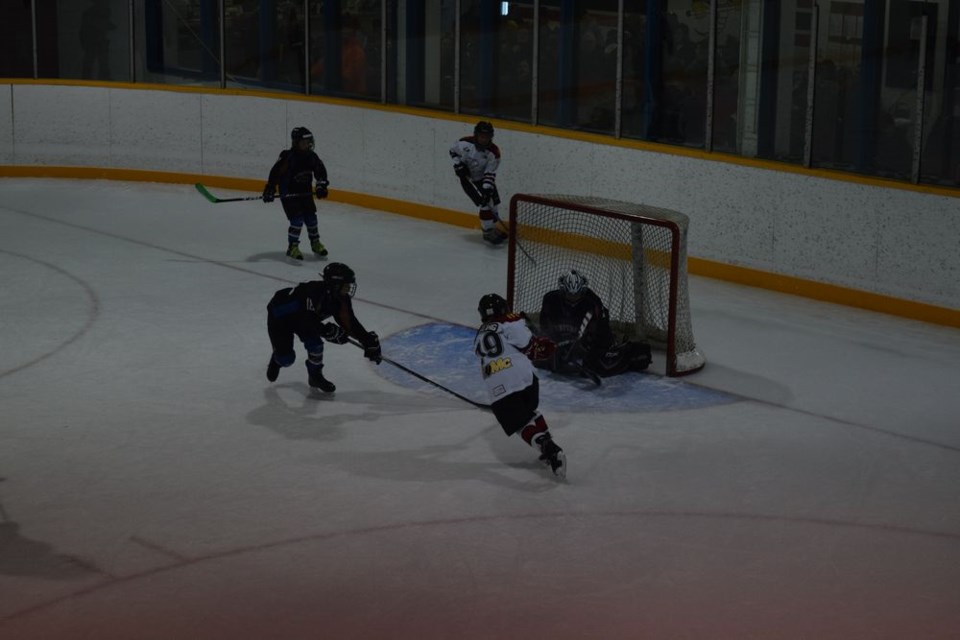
(214, 199)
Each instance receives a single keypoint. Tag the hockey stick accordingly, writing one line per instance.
(586, 373)
(587, 317)
(479, 199)
(478, 405)
(214, 199)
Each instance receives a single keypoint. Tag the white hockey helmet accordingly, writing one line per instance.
(573, 283)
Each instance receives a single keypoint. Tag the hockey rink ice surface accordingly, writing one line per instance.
(154, 485)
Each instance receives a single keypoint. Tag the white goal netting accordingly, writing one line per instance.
(633, 255)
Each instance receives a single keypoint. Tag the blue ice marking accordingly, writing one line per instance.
(444, 353)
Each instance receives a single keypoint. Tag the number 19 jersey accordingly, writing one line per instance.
(504, 366)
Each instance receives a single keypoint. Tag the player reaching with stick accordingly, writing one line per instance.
(294, 172)
(505, 346)
(300, 311)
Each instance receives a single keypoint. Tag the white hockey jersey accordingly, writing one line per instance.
(505, 368)
(483, 163)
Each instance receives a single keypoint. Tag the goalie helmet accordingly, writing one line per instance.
(301, 133)
(573, 283)
(492, 306)
(340, 278)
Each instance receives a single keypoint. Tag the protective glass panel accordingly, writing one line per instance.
(345, 49)
(496, 53)
(16, 41)
(178, 41)
(423, 62)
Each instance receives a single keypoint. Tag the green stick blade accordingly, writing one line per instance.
(206, 194)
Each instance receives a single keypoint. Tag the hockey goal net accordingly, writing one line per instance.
(633, 256)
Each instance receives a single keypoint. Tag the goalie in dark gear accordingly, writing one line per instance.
(575, 318)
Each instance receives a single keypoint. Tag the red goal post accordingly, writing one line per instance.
(634, 257)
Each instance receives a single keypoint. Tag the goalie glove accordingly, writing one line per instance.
(322, 189)
(371, 349)
(268, 193)
(334, 333)
(540, 348)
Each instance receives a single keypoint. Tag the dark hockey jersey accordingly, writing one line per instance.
(294, 172)
(560, 319)
(316, 299)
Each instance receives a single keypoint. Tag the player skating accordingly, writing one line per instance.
(294, 173)
(475, 161)
(575, 318)
(300, 311)
(503, 344)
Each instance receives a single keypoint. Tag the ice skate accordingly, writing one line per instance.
(551, 454)
(273, 370)
(294, 254)
(494, 236)
(317, 381)
(317, 247)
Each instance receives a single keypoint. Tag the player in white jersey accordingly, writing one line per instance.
(475, 161)
(505, 346)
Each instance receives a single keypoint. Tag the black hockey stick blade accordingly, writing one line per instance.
(586, 373)
(214, 199)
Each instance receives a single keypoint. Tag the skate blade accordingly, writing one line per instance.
(561, 471)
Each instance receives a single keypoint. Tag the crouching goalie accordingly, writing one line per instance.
(574, 317)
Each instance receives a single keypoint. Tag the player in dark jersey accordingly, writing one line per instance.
(294, 173)
(475, 162)
(300, 311)
(575, 318)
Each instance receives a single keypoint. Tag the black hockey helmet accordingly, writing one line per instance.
(340, 278)
(301, 133)
(491, 306)
(483, 127)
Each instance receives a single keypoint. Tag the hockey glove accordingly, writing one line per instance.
(334, 333)
(462, 170)
(322, 189)
(486, 191)
(371, 350)
(268, 193)
(540, 348)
